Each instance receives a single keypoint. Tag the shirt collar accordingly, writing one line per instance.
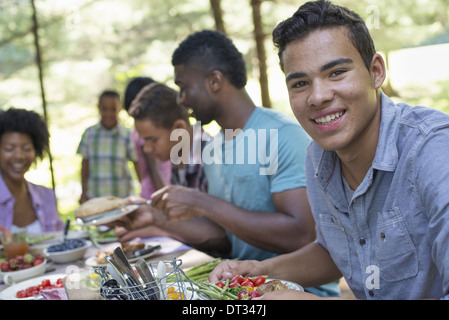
(113, 130)
(386, 157)
(35, 198)
(5, 194)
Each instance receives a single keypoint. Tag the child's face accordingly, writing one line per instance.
(109, 109)
(156, 138)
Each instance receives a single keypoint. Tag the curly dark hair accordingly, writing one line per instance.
(212, 50)
(323, 14)
(158, 103)
(27, 122)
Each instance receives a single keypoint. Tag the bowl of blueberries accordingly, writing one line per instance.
(67, 251)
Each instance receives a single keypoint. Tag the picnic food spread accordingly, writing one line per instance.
(125, 275)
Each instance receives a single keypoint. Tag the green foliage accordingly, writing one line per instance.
(90, 45)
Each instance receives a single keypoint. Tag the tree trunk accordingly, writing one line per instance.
(387, 88)
(259, 36)
(41, 80)
(218, 15)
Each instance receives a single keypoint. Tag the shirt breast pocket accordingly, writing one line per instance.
(395, 251)
(251, 192)
(337, 243)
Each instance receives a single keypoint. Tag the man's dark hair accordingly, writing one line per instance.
(158, 103)
(109, 93)
(26, 122)
(212, 50)
(133, 88)
(316, 15)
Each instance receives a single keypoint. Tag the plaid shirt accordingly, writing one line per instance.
(192, 174)
(108, 152)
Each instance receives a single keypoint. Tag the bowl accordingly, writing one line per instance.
(11, 277)
(66, 256)
(38, 248)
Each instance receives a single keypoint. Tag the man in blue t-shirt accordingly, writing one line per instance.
(256, 206)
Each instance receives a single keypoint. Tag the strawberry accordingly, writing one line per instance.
(37, 262)
(4, 266)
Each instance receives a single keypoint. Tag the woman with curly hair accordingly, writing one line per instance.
(24, 138)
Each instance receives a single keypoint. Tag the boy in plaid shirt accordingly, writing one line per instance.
(106, 148)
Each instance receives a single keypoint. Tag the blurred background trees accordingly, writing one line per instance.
(90, 45)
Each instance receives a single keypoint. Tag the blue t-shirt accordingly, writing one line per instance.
(268, 156)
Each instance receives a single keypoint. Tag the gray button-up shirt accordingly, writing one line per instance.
(390, 236)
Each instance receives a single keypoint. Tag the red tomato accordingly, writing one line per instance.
(37, 262)
(46, 283)
(220, 284)
(233, 285)
(21, 294)
(259, 280)
(238, 279)
(248, 283)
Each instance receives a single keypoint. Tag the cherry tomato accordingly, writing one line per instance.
(21, 294)
(238, 279)
(46, 283)
(248, 283)
(233, 285)
(220, 284)
(259, 280)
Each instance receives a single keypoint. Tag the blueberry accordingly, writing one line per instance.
(68, 245)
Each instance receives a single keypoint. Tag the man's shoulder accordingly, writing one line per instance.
(274, 118)
(417, 116)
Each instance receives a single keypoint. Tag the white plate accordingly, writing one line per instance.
(10, 292)
(289, 284)
(92, 261)
(106, 217)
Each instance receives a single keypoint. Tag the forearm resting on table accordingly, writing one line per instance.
(309, 266)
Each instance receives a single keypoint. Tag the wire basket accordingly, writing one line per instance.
(174, 285)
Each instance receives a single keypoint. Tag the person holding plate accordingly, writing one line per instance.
(256, 206)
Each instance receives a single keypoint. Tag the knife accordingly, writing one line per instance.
(145, 251)
(123, 264)
(115, 272)
(145, 273)
(130, 277)
(162, 277)
(127, 275)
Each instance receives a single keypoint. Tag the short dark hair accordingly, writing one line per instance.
(158, 103)
(132, 89)
(212, 50)
(27, 122)
(323, 14)
(109, 93)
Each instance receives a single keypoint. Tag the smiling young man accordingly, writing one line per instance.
(376, 171)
